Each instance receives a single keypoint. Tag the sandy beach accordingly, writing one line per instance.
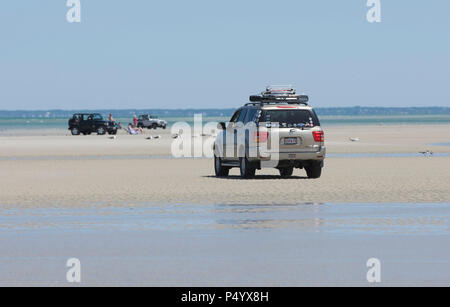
(57, 169)
(135, 216)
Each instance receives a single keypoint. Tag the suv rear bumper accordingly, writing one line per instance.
(318, 155)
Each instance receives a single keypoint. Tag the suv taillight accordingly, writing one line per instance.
(318, 136)
(261, 137)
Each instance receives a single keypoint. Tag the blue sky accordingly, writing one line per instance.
(213, 54)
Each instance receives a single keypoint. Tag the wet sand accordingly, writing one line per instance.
(73, 183)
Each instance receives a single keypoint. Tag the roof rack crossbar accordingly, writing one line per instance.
(262, 103)
(291, 99)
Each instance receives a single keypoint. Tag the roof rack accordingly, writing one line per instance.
(279, 94)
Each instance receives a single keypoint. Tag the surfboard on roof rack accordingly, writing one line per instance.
(280, 94)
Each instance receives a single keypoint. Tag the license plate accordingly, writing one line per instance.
(290, 141)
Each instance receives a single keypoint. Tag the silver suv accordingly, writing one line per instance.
(150, 122)
(277, 129)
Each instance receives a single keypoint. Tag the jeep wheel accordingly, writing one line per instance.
(101, 130)
(221, 171)
(314, 170)
(75, 131)
(286, 171)
(154, 126)
(247, 171)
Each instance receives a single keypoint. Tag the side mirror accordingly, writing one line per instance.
(221, 126)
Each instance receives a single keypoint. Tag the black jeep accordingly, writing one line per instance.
(86, 124)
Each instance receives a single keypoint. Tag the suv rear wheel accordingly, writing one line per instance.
(286, 171)
(101, 130)
(221, 171)
(247, 171)
(75, 131)
(314, 170)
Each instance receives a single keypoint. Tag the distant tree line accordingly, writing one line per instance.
(384, 111)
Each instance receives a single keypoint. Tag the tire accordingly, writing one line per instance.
(247, 171)
(101, 130)
(75, 131)
(314, 170)
(221, 171)
(286, 172)
(154, 126)
(112, 132)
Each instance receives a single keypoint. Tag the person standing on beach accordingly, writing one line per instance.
(135, 121)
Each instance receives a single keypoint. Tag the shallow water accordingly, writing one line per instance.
(440, 144)
(326, 120)
(386, 155)
(227, 245)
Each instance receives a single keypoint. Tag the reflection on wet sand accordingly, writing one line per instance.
(344, 218)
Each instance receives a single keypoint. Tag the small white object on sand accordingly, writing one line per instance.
(427, 153)
(354, 139)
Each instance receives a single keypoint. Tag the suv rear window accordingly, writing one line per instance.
(290, 117)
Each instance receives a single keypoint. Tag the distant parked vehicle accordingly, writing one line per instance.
(87, 123)
(150, 122)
